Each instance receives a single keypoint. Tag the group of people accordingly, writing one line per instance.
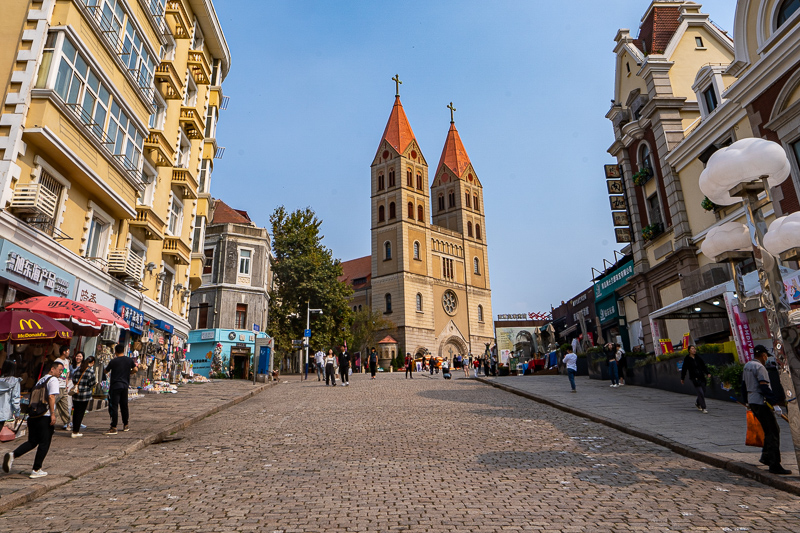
(326, 366)
(67, 386)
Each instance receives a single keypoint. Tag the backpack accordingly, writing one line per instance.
(39, 400)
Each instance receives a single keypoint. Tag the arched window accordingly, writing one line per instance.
(475, 202)
(416, 250)
(451, 199)
(419, 302)
(388, 300)
(381, 213)
(419, 180)
(381, 182)
(392, 211)
(441, 202)
(411, 210)
(420, 213)
(355, 309)
(359, 308)
(466, 199)
(391, 178)
(387, 250)
(478, 231)
(469, 229)
(645, 161)
(480, 313)
(787, 9)
(409, 179)
(476, 266)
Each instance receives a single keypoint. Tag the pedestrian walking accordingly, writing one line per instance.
(330, 375)
(319, 357)
(9, 392)
(40, 428)
(418, 364)
(485, 366)
(373, 363)
(466, 364)
(758, 395)
(63, 403)
(698, 372)
(344, 366)
(409, 365)
(611, 356)
(476, 365)
(493, 360)
(446, 369)
(571, 362)
(85, 380)
(621, 363)
(120, 368)
(431, 364)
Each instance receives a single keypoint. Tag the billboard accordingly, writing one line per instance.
(516, 339)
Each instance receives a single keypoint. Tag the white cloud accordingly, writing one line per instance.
(783, 234)
(728, 237)
(743, 161)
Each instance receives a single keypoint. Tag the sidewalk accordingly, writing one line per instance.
(665, 418)
(152, 419)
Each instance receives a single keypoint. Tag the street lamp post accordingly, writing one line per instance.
(308, 328)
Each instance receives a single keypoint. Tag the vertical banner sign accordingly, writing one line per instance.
(655, 334)
(740, 328)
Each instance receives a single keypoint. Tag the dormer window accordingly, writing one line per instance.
(710, 98)
(787, 9)
(698, 41)
(708, 87)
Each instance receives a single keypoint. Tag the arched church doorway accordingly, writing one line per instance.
(453, 346)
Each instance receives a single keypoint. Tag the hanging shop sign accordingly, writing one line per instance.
(607, 309)
(132, 316)
(34, 273)
(606, 285)
(86, 292)
(164, 326)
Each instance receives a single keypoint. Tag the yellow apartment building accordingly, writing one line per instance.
(107, 145)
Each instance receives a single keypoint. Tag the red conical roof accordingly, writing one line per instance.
(454, 155)
(398, 131)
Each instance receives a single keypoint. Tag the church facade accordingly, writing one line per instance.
(429, 263)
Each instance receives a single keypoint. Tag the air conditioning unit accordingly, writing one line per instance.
(110, 333)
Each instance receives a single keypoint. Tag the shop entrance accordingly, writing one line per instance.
(240, 362)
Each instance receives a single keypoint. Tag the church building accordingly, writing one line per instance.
(430, 279)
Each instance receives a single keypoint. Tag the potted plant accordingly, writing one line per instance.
(708, 205)
(642, 176)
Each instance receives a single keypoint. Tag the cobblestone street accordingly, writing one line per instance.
(402, 455)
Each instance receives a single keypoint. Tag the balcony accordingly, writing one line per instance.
(170, 83)
(126, 265)
(186, 182)
(196, 272)
(33, 200)
(148, 220)
(178, 19)
(160, 152)
(192, 122)
(176, 248)
(199, 66)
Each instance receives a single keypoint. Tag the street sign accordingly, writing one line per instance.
(307, 333)
(623, 235)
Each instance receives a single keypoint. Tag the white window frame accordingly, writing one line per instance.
(184, 154)
(198, 40)
(476, 266)
(174, 200)
(103, 241)
(480, 314)
(204, 177)
(149, 177)
(419, 302)
(416, 250)
(249, 272)
(159, 117)
(190, 98)
(198, 238)
(166, 268)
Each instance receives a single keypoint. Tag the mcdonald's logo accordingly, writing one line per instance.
(29, 323)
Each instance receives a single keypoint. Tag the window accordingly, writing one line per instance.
(480, 313)
(175, 217)
(127, 139)
(654, 209)
(204, 177)
(387, 250)
(419, 303)
(241, 316)
(476, 266)
(359, 308)
(202, 316)
(381, 182)
(409, 179)
(628, 67)
(197, 42)
(451, 199)
(698, 41)
(441, 202)
(475, 202)
(136, 57)
(392, 211)
(420, 213)
(211, 122)
(411, 210)
(710, 98)
(447, 268)
(469, 229)
(208, 263)
(416, 250)
(644, 157)
(96, 240)
(215, 73)
(190, 99)
(381, 213)
(199, 234)
(419, 181)
(450, 302)
(478, 231)
(166, 288)
(157, 118)
(184, 151)
(244, 262)
(466, 199)
(787, 9)
(54, 186)
(388, 301)
(391, 178)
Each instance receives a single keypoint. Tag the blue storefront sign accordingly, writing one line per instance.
(606, 285)
(131, 315)
(164, 326)
(34, 273)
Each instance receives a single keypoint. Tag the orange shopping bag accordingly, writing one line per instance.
(755, 433)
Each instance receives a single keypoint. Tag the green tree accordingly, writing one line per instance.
(305, 272)
(365, 327)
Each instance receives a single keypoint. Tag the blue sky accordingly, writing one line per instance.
(311, 91)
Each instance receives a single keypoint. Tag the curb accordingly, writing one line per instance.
(737, 467)
(40, 489)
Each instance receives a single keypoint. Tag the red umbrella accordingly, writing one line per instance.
(60, 309)
(26, 327)
(106, 315)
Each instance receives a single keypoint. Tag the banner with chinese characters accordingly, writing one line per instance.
(86, 292)
(132, 316)
(34, 273)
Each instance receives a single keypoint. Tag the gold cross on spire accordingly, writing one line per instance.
(397, 84)
(452, 110)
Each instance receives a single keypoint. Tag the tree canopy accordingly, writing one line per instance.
(305, 273)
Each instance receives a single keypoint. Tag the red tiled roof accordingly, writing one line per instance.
(388, 339)
(398, 131)
(454, 155)
(225, 214)
(357, 269)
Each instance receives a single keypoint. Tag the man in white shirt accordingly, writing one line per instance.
(319, 362)
(63, 400)
(575, 345)
(571, 362)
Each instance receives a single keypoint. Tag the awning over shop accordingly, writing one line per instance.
(698, 305)
(569, 330)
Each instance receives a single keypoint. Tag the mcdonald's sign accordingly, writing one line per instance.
(29, 323)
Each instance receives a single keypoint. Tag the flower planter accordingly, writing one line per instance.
(503, 371)
(597, 367)
(665, 375)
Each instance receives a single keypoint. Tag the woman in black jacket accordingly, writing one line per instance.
(698, 373)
